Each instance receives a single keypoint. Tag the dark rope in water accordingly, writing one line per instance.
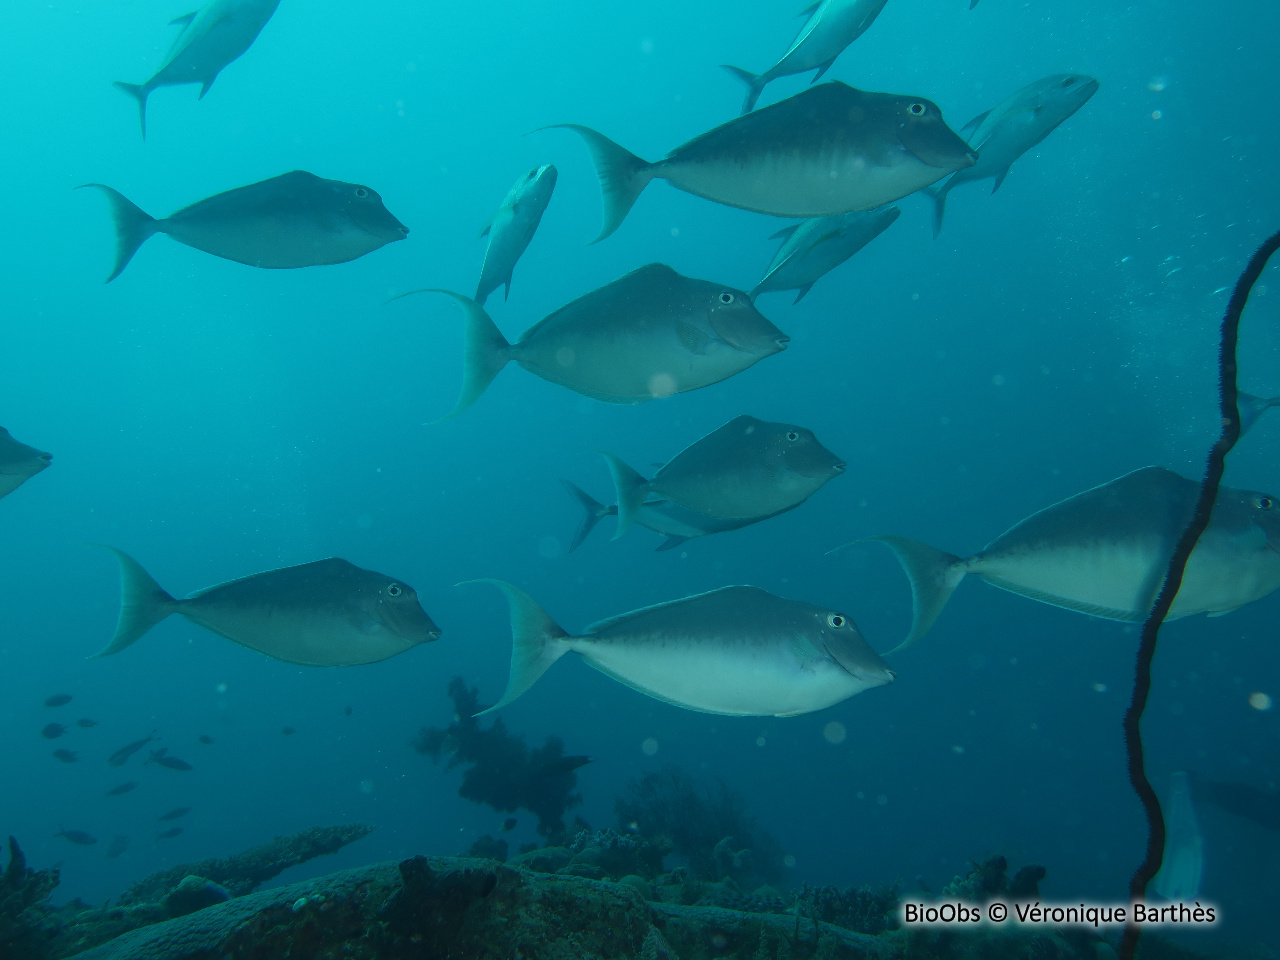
(1228, 395)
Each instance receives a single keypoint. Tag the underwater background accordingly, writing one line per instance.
(214, 420)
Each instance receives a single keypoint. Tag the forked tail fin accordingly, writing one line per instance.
(934, 576)
(622, 174)
(755, 85)
(536, 642)
(133, 226)
(143, 604)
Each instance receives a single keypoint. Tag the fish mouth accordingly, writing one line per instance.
(839, 466)
(781, 342)
(46, 457)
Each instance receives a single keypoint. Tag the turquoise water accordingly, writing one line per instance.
(215, 420)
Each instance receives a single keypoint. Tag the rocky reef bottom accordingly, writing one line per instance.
(467, 907)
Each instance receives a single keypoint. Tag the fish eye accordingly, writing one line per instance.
(361, 192)
(792, 436)
(917, 109)
(394, 590)
(726, 298)
(1264, 503)
(835, 620)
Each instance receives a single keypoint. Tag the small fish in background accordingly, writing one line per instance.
(748, 469)
(736, 651)
(649, 334)
(67, 756)
(78, 837)
(831, 27)
(329, 613)
(168, 834)
(119, 844)
(831, 149)
(122, 788)
(512, 228)
(509, 824)
(1011, 128)
(58, 700)
(52, 731)
(118, 758)
(205, 739)
(211, 38)
(162, 758)
(1104, 553)
(1251, 408)
(347, 711)
(813, 248)
(291, 221)
(86, 723)
(18, 464)
(288, 731)
(175, 814)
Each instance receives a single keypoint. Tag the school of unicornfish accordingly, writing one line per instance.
(834, 159)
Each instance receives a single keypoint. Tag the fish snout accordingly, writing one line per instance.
(839, 467)
(781, 342)
(46, 457)
(972, 157)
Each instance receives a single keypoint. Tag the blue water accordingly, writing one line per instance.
(215, 420)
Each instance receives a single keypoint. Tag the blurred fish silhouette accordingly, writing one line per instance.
(812, 248)
(118, 758)
(78, 837)
(650, 334)
(118, 846)
(18, 464)
(831, 149)
(175, 814)
(512, 228)
(58, 700)
(327, 613)
(1011, 128)
(162, 758)
(86, 723)
(52, 731)
(739, 651)
(1104, 552)
(122, 788)
(67, 756)
(211, 38)
(294, 220)
(169, 834)
(832, 26)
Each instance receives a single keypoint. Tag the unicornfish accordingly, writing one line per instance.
(329, 613)
(673, 521)
(294, 220)
(18, 464)
(211, 38)
(512, 227)
(830, 149)
(649, 334)
(1105, 552)
(832, 26)
(738, 651)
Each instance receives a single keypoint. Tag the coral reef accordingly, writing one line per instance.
(23, 892)
(864, 909)
(607, 854)
(988, 880)
(502, 771)
(708, 827)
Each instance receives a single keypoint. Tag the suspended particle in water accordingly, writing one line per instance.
(1099, 688)
(788, 861)
(1260, 701)
(649, 746)
(366, 786)
(760, 741)
(834, 732)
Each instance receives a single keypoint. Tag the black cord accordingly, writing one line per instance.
(1228, 395)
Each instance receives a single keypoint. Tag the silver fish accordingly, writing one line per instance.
(211, 38)
(294, 220)
(328, 613)
(678, 524)
(512, 227)
(738, 651)
(649, 334)
(832, 26)
(18, 464)
(814, 247)
(1104, 552)
(1007, 131)
(830, 149)
(746, 469)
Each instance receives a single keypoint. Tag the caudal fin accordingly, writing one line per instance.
(593, 511)
(755, 85)
(133, 227)
(622, 175)
(139, 92)
(485, 351)
(536, 642)
(1251, 408)
(934, 576)
(143, 604)
(632, 489)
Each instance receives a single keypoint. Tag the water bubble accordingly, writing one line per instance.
(1099, 688)
(957, 749)
(788, 861)
(550, 547)
(881, 799)
(649, 746)
(998, 380)
(1157, 114)
(221, 688)
(760, 741)
(1260, 701)
(834, 732)
(1158, 83)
